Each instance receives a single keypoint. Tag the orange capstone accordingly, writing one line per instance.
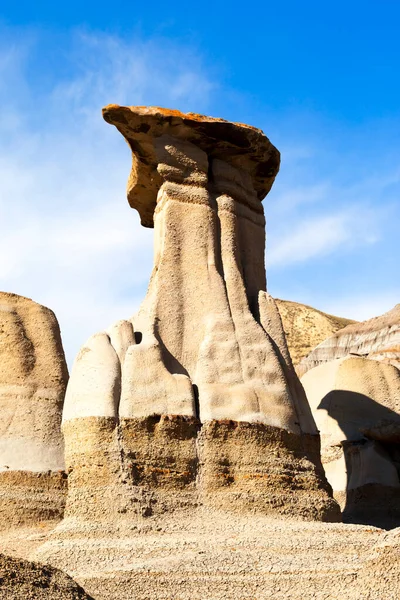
(243, 146)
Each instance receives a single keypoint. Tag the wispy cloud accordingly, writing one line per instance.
(313, 213)
(332, 215)
(316, 237)
(68, 238)
(362, 307)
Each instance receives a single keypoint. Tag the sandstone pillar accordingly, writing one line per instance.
(195, 400)
(33, 378)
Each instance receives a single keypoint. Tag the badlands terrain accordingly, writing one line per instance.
(183, 457)
(306, 327)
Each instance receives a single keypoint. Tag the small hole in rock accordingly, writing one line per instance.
(196, 400)
(138, 337)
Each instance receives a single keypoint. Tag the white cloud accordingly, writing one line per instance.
(312, 214)
(314, 238)
(68, 238)
(291, 195)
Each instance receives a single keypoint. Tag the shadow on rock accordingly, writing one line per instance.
(371, 451)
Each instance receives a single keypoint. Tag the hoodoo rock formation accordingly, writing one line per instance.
(376, 339)
(194, 401)
(356, 405)
(33, 378)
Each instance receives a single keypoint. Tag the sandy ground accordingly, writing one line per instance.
(211, 556)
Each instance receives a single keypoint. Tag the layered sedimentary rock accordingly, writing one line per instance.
(376, 339)
(306, 327)
(356, 405)
(194, 401)
(33, 378)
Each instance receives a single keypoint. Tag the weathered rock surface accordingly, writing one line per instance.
(356, 405)
(194, 401)
(210, 554)
(376, 339)
(216, 555)
(380, 574)
(306, 327)
(21, 579)
(33, 378)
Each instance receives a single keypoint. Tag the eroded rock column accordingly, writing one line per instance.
(33, 378)
(195, 400)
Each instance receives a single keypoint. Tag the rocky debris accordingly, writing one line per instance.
(356, 405)
(376, 339)
(25, 580)
(202, 371)
(33, 378)
(306, 327)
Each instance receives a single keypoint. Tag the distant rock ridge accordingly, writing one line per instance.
(306, 327)
(377, 339)
(33, 378)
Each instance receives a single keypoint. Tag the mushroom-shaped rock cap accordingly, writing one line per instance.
(240, 145)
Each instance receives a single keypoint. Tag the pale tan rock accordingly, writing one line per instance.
(376, 339)
(350, 394)
(33, 377)
(306, 327)
(121, 336)
(148, 388)
(206, 350)
(370, 463)
(206, 178)
(95, 385)
(356, 405)
(271, 320)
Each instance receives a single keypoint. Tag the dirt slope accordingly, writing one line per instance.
(306, 327)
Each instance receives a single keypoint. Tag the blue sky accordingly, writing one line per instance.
(321, 79)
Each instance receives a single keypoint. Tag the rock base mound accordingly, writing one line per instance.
(27, 497)
(138, 468)
(33, 378)
(22, 579)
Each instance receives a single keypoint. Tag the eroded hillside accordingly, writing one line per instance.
(306, 327)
